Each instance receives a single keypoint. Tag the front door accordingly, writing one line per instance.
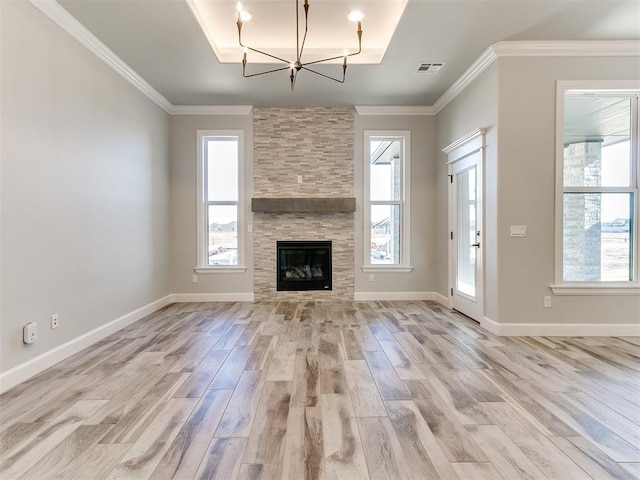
(466, 235)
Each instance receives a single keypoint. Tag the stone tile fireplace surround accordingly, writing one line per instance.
(315, 144)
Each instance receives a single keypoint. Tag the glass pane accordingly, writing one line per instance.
(385, 234)
(222, 168)
(385, 176)
(597, 146)
(597, 237)
(466, 264)
(223, 234)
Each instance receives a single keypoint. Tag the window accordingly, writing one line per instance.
(386, 191)
(597, 174)
(219, 213)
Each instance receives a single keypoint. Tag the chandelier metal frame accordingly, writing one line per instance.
(298, 64)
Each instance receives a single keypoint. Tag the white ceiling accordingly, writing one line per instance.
(272, 29)
(163, 42)
(597, 119)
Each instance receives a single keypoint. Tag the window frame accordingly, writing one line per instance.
(602, 88)
(202, 202)
(404, 203)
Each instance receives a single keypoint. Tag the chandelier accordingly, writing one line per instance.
(297, 65)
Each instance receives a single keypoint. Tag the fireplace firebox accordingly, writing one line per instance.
(304, 265)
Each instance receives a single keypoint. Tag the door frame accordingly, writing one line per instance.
(469, 144)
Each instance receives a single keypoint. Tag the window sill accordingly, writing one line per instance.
(386, 269)
(595, 289)
(220, 269)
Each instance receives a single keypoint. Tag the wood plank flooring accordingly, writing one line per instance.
(327, 390)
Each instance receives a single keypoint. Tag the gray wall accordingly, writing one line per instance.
(84, 189)
(423, 204)
(527, 190)
(183, 198)
(183, 204)
(519, 94)
(476, 107)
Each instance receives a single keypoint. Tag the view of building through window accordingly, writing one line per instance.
(385, 184)
(599, 189)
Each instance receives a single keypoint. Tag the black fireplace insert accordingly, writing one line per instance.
(304, 265)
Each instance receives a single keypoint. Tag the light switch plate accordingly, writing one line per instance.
(518, 231)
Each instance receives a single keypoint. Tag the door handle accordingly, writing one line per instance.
(475, 245)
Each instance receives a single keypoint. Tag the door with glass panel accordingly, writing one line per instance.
(466, 235)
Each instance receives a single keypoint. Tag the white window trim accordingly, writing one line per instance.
(386, 269)
(405, 205)
(583, 288)
(201, 216)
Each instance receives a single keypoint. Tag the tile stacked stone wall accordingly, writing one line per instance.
(582, 229)
(317, 145)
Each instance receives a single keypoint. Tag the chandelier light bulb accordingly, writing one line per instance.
(355, 16)
(245, 16)
(239, 8)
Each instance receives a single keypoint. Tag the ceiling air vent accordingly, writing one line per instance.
(430, 68)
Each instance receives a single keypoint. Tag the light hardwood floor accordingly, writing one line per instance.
(327, 390)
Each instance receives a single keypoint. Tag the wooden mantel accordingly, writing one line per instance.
(304, 204)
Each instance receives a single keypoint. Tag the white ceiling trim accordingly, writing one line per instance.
(468, 141)
(473, 72)
(585, 48)
(211, 109)
(391, 110)
(621, 48)
(56, 13)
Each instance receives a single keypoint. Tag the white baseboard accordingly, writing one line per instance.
(441, 299)
(561, 329)
(490, 325)
(211, 297)
(32, 367)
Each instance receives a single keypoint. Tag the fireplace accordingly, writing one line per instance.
(304, 265)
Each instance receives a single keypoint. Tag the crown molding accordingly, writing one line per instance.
(480, 65)
(585, 48)
(211, 109)
(57, 14)
(613, 48)
(391, 110)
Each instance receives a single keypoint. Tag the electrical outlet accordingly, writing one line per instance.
(54, 321)
(547, 302)
(194, 279)
(30, 332)
(371, 277)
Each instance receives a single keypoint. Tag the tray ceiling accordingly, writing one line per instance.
(162, 40)
(273, 28)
